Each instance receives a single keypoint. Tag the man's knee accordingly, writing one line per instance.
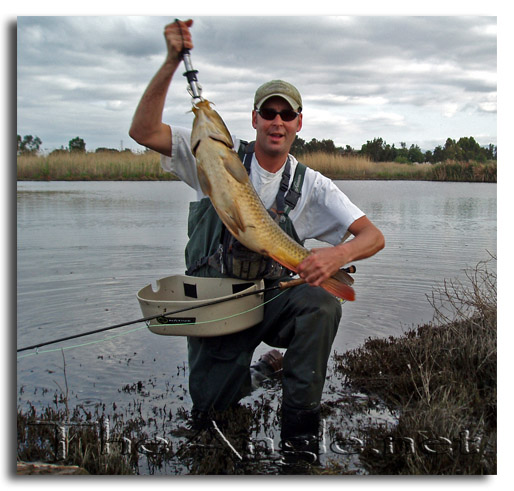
(318, 299)
(317, 313)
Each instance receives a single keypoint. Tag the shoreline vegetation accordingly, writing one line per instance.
(128, 166)
(439, 379)
(442, 379)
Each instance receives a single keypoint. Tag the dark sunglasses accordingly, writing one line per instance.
(270, 114)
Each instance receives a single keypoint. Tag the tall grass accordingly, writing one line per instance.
(105, 166)
(101, 166)
(361, 167)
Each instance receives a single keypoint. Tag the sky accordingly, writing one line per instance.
(417, 79)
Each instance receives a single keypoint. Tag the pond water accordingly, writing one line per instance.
(85, 248)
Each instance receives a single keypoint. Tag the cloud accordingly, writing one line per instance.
(360, 77)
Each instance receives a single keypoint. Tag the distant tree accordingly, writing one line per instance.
(388, 152)
(438, 155)
(29, 144)
(402, 153)
(326, 146)
(491, 152)
(415, 154)
(348, 150)
(298, 146)
(465, 149)
(469, 148)
(105, 149)
(373, 149)
(451, 150)
(77, 145)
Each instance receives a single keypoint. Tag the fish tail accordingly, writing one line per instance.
(338, 285)
(339, 289)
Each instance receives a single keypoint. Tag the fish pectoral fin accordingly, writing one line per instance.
(235, 168)
(231, 217)
(205, 185)
(283, 262)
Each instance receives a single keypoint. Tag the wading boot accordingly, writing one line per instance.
(300, 438)
(268, 366)
(200, 420)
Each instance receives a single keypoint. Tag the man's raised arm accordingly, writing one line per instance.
(147, 127)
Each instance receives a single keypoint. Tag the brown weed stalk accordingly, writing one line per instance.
(441, 377)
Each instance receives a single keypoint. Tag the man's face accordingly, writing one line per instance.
(275, 137)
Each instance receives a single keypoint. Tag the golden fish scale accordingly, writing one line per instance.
(238, 201)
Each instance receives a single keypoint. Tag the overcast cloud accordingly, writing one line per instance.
(417, 80)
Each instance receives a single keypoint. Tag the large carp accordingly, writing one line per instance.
(224, 179)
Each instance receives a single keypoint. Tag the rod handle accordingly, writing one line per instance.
(289, 284)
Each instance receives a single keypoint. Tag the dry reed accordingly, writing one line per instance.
(101, 166)
(105, 166)
(442, 380)
(361, 167)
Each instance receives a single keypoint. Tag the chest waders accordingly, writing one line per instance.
(302, 319)
(213, 252)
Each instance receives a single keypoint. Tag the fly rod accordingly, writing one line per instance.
(281, 286)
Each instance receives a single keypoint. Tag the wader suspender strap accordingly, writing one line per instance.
(285, 203)
(294, 192)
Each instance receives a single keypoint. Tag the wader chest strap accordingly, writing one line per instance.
(295, 190)
(284, 202)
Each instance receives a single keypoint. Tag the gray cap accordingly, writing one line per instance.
(278, 88)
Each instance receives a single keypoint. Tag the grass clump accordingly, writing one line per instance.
(80, 445)
(442, 380)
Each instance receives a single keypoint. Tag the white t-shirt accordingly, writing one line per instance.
(323, 211)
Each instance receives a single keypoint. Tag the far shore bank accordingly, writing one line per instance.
(128, 166)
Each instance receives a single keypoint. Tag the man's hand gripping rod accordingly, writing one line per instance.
(300, 281)
(194, 89)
